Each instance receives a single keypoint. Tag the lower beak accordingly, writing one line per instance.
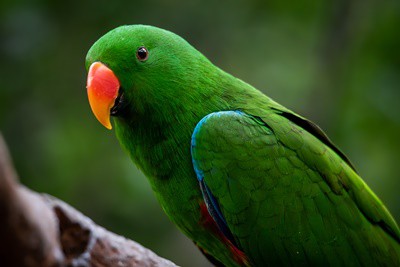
(102, 88)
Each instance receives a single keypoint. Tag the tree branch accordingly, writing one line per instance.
(40, 230)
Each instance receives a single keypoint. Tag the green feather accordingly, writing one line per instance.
(323, 204)
(289, 196)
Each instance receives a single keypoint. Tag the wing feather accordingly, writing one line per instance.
(287, 197)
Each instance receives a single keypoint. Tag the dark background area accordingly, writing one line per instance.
(334, 62)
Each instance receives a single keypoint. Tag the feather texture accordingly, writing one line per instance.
(287, 198)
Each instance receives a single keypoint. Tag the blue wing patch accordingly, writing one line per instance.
(210, 200)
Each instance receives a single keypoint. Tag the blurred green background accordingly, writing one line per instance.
(335, 62)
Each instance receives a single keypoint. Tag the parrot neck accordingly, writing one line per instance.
(158, 137)
(158, 140)
(159, 145)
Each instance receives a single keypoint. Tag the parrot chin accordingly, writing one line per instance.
(105, 96)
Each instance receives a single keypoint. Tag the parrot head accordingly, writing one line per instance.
(132, 69)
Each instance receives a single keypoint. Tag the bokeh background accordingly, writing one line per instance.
(336, 62)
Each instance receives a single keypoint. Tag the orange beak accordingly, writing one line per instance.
(102, 88)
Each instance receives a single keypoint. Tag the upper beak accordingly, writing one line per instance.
(102, 88)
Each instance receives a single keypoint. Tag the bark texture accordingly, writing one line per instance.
(40, 230)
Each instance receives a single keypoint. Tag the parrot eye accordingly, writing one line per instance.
(142, 54)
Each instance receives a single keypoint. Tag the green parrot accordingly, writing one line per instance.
(249, 181)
